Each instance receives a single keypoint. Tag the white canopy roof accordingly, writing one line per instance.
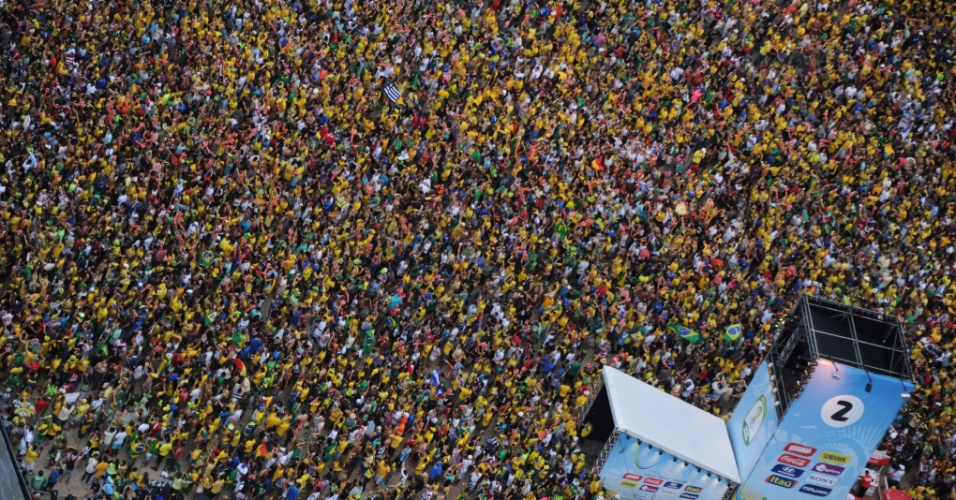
(681, 429)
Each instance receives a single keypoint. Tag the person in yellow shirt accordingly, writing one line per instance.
(165, 448)
(283, 428)
(29, 458)
(383, 473)
(217, 485)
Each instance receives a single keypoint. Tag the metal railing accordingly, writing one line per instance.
(595, 389)
(606, 451)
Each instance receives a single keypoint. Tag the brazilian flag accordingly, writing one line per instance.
(688, 334)
(369, 343)
(206, 258)
(732, 333)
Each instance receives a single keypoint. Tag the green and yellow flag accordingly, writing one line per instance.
(688, 334)
(733, 332)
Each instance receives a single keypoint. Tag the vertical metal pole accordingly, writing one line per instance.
(856, 341)
(808, 321)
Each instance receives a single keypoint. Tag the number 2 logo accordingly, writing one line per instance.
(842, 411)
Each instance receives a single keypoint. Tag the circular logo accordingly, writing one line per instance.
(754, 418)
(841, 411)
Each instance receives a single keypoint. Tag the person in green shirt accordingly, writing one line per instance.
(153, 450)
(38, 481)
(111, 469)
(573, 369)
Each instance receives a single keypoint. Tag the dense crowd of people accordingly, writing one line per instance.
(329, 249)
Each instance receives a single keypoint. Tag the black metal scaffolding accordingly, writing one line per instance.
(822, 329)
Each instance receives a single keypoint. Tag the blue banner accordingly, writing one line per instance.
(827, 435)
(752, 424)
(636, 470)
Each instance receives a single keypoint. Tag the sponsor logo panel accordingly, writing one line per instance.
(794, 461)
(800, 449)
(818, 479)
(815, 490)
(834, 458)
(830, 470)
(781, 481)
(787, 471)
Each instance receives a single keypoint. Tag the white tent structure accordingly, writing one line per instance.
(658, 446)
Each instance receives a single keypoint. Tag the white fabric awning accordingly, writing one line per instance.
(681, 429)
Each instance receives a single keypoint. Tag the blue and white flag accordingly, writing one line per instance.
(393, 94)
(436, 377)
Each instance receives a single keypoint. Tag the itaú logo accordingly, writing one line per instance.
(780, 481)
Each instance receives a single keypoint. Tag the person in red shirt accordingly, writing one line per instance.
(41, 405)
(862, 485)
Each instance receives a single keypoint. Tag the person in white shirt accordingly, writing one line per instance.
(108, 437)
(745, 373)
(465, 465)
(118, 440)
(473, 482)
(896, 476)
(96, 404)
(688, 389)
(64, 415)
(90, 469)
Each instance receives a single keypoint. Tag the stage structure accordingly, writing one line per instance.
(814, 412)
(821, 403)
(657, 446)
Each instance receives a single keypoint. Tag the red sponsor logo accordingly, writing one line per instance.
(654, 481)
(633, 477)
(794, 461)
(800, 449)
